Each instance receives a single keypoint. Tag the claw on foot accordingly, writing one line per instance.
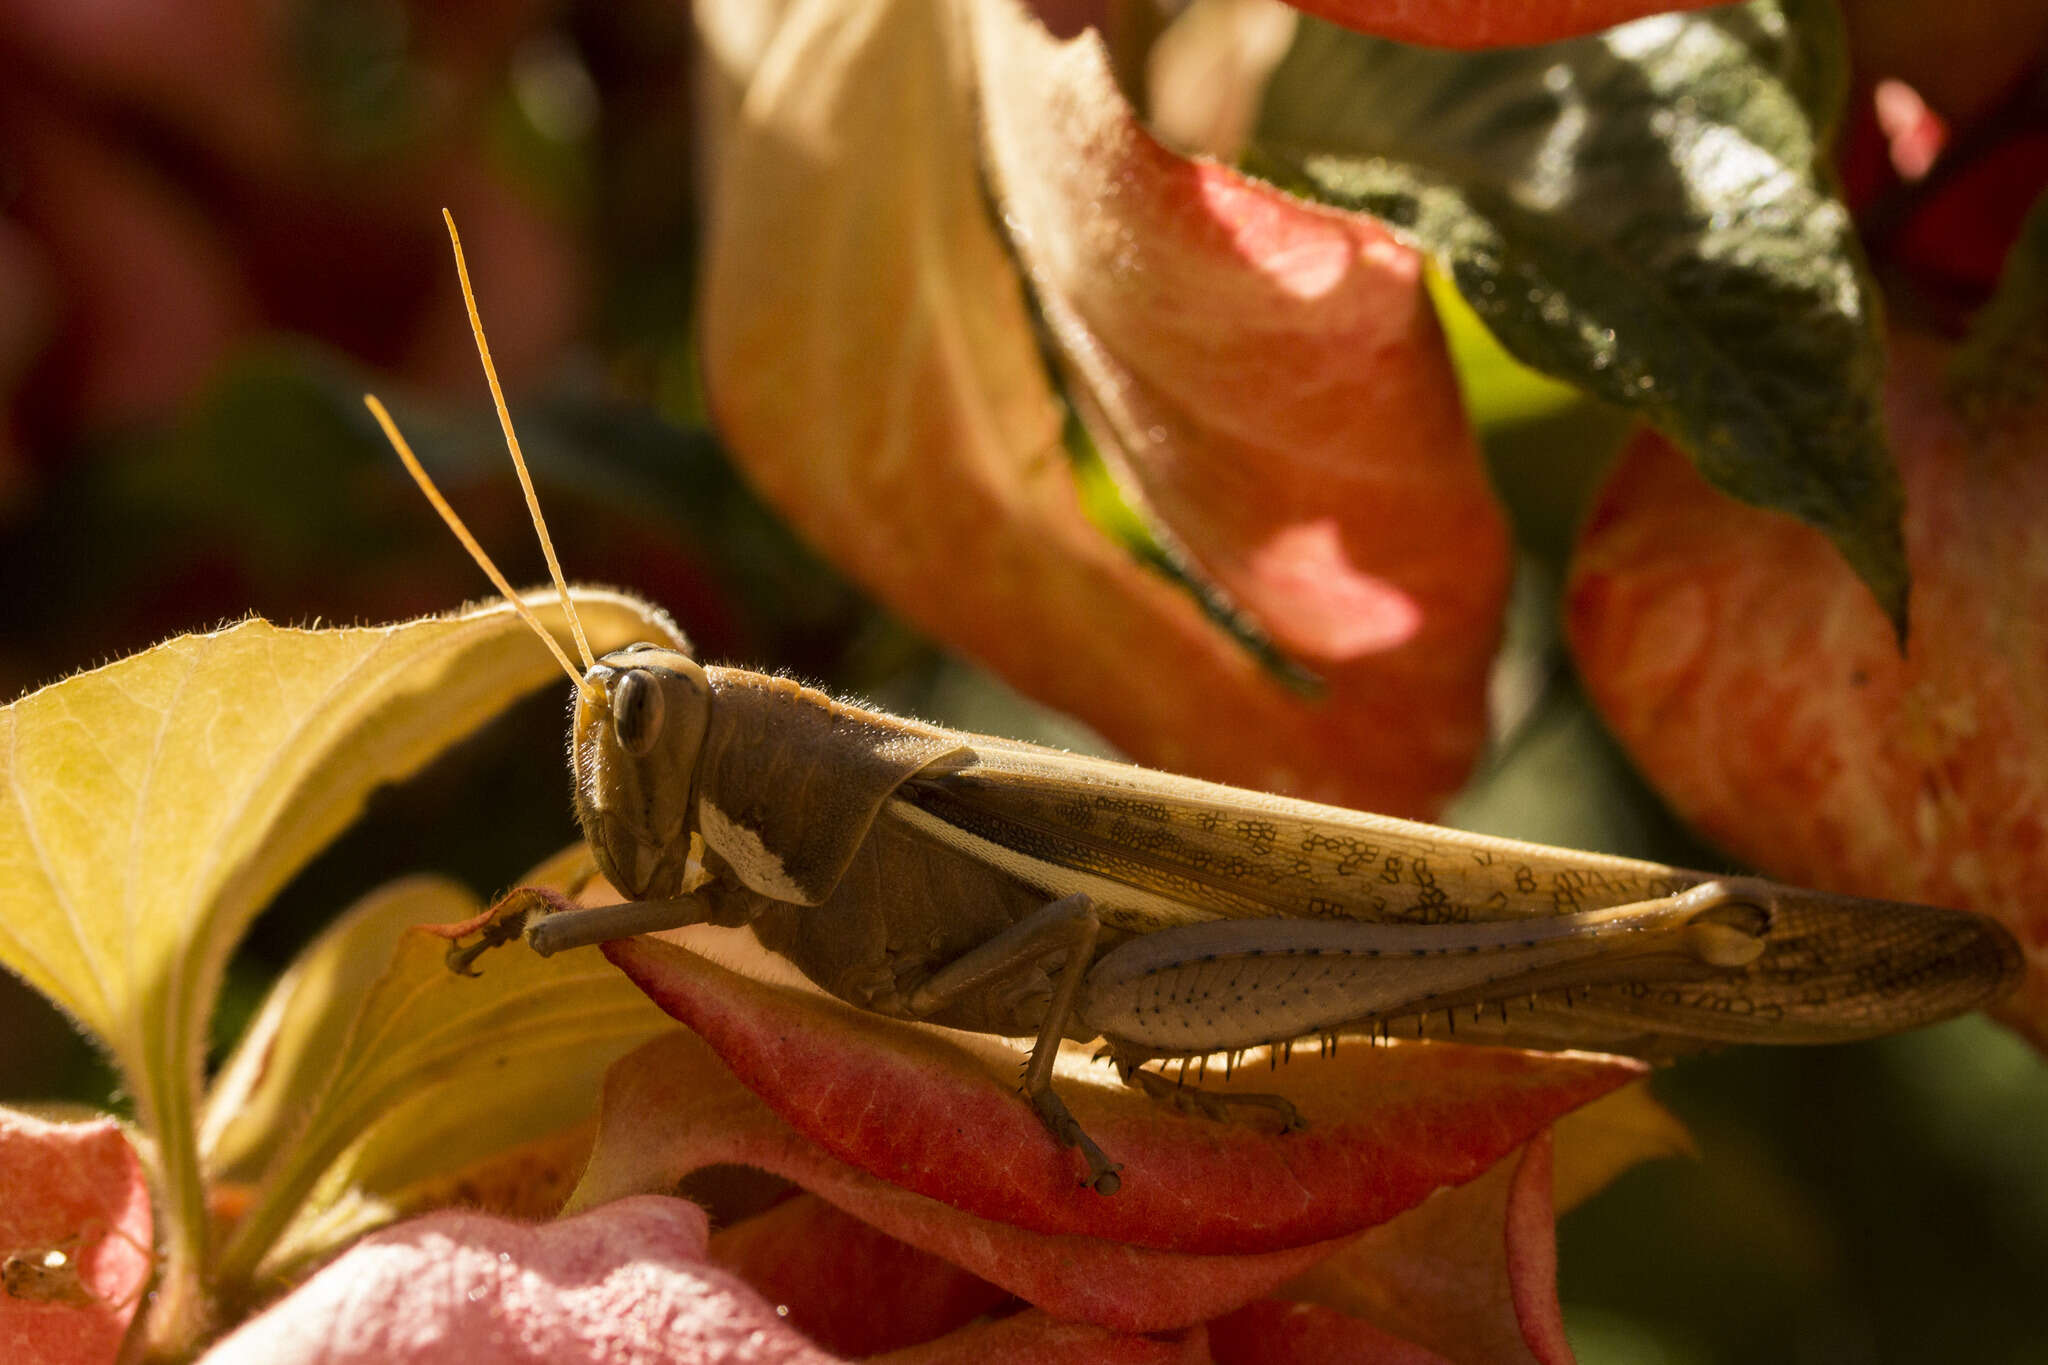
(1102, 1172)
(462, 958)
(507, 925)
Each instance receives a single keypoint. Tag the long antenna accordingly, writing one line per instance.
(547, 544)
(469, 543)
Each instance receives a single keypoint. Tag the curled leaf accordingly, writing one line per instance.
(1472, 1273)
(936, 1112)
(671, 1109)
(871, 356)
(406, 1073)
(1270, 380)
(848, 1285)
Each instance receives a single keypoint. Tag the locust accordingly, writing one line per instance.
(1002, 887)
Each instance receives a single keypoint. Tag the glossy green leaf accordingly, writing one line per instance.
(1643, 214)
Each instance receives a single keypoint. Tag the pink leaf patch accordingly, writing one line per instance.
(75, 1229)
(627, 1284)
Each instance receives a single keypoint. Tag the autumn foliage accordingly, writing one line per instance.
(1188, 445)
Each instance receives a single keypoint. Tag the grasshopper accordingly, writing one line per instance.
(996, 886)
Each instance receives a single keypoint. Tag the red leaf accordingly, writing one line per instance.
(1485, 23)
(1275, 1332)
(1964, 231)
(937, 1113)
(1035, 1339)
(671, 1109)
(849, 1286)
(75, 1228)
(1756, 683)
(627, 1284)
(1472, 1273)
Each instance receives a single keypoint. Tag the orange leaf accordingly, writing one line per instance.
(1272, 377)
(872, 360)
(1757, 685)
(1472, 1273)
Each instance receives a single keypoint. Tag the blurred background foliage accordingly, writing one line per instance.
(1880, 1202)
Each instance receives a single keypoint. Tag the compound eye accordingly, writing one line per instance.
(636, 712)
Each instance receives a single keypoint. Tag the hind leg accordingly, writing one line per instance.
(1208, 1104)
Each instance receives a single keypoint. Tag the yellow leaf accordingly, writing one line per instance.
(430, 1072)
(284, 1059)
(153, 806)
(1600, 1141)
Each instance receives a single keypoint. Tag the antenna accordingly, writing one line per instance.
(540, 524)
(476, 551)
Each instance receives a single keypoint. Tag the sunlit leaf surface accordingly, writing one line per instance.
(404, 1071)
(1270, 382)
(872, 357)
(156, 804)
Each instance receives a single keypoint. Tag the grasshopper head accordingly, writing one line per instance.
(640, 720)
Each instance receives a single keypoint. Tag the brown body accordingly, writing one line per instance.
(875, 852)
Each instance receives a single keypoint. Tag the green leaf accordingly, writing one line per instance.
(2003, 366)
(156, 804)
(374, 1068)
(1642, 214)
